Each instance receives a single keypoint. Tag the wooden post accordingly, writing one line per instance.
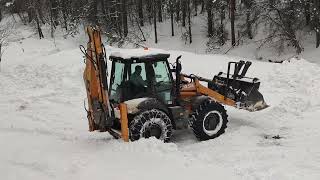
(124, 122)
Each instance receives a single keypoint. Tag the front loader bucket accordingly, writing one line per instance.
(253, 101)
(243, 90)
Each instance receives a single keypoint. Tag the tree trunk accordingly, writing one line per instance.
(209, 17)
(30, 11)
(195, 4)
(65, 13)
(38, 25)
(54, 11)
(317, 39)
(149, 9)
(248, 6)
(249, 31)
(184, 14)
(171, 17)
(316, 14)
(307, 12)
(202, 6)
(0, 14)
(160, 10)
(232, 14)
(104, 11)
(178, 9)
(39, 11)
(155, 21)
(222, 40)
(140, 13)
(93, 11)
(124, 18)
(189, 22)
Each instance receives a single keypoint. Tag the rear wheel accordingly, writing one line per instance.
(209, 120)
(151, 123)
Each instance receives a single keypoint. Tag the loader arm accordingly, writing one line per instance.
(195, 88)
(251, 101)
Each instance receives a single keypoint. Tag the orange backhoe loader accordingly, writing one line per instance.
(147, 97)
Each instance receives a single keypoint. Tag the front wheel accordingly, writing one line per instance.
(209, 120)
(151, 123)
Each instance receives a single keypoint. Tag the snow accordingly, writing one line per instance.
(133, 104)
(44, 130)
(137, 53)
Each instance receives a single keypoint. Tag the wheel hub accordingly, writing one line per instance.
(154, 130)
(212, 123)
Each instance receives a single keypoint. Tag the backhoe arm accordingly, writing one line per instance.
(95, 79)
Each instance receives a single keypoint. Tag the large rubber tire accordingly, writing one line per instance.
(153, 122)
(209, 120)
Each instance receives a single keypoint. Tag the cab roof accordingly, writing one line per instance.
(139, 54)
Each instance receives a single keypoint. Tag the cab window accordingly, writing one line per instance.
(134, 74)
(163, 83)
(116, 81)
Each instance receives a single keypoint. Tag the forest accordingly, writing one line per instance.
(228, 22)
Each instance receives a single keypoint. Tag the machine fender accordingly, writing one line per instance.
(197, 101)
(152, 103)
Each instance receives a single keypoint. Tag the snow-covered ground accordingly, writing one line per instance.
(44, 132)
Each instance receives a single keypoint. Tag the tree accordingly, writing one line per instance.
(171, 9)
(282, 20)
(124, 18)
(140, 12)
(249, 4)
(232, 19)
(195, 5)
(306, 4)
(92, 12)
(209, 17)
(159, 4)
(65, 12)
(121, 20)
(178, 5)
(0, 12)
(189, 22)
(184, 14)
(35, 14)
(5, 31)
(54, 12)
(315, 20)
(155, 21)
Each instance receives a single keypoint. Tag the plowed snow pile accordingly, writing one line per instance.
(43, 126)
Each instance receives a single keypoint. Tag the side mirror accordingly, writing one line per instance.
(178, 83)
(178, 58)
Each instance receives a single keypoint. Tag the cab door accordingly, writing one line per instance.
(162, 82)
(117, 77)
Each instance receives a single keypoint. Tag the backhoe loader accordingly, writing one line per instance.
(146, 97)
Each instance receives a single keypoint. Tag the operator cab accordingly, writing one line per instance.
(141, 75)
